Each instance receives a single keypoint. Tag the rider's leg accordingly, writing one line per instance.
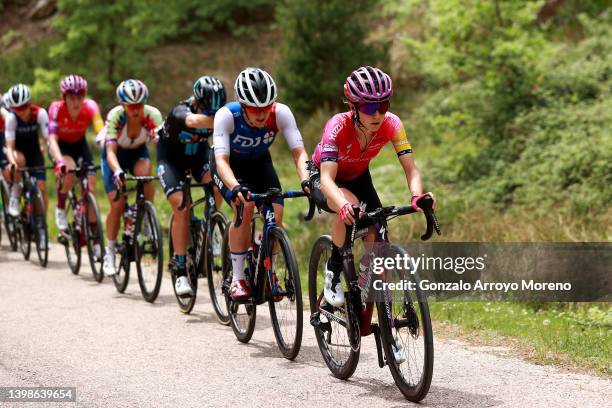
(239, 240)
(16, 189)
(42, 186)
(180, 228)
(68, 183)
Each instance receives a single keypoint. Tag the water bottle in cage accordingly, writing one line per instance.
(130, 214)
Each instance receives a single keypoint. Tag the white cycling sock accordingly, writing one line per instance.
(111, 245)
(238, 265)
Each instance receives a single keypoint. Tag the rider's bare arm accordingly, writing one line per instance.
(199, 121)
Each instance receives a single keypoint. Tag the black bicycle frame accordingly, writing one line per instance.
(262, 261)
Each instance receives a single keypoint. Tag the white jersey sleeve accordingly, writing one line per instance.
(288, 126)
(223, 128)
(10, 127)
(43, 123)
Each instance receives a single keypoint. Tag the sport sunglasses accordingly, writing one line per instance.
(253, 110)
(372, 108)
(21, 108)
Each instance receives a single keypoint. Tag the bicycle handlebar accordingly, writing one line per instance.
(385, 213)
(270, 195)
(138, 179)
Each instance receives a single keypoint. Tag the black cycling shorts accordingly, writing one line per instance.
(3, 159)
(33, 158)
(77, 150)
(172, 165)
(361, 186)
(258, 174)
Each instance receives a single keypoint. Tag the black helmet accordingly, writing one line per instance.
(209, 93)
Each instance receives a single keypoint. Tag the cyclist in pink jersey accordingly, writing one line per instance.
(350, 141)
(68, 123)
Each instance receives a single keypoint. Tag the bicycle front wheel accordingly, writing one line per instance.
(406, 332)
(242, 314)
(186, 304)
(25, 234)
(70, 238)
(95, 237)
(39, 227)
(149, 252)
(214, 265)
(330, 323)
(285, 299)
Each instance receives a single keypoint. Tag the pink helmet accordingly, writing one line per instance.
(368, 84)
(74, 85)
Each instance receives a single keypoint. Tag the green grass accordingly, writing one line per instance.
(574, 335)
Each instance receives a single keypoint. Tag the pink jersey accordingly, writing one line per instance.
(340, 144)
(69, 131)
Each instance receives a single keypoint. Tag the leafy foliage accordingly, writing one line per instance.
(323, 42)
(525, 120)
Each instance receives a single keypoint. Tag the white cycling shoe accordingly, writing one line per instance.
(333, 296)
(14, 206)
(182, 287)
(399, 354)
(60, 219)
(109, 263)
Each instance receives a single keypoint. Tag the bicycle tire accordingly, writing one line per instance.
(72, 237)
(38, 227)
(214, 273)
(413, 390)
(341, 368)
(186, 304)
(148, 214)
(93, 236)
(243, 330)
(292, 286)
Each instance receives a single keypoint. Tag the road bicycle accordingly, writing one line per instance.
(31, 223)
(141, 241)
(81, 230)
(404, 329)
(204, 251)
(272, 274)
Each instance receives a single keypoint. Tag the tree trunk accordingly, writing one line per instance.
(549, 10)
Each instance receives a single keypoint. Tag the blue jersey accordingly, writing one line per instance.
(248, 141)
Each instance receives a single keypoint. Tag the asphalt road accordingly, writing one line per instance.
(57, 329)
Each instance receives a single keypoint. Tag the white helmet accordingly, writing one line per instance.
(132, 91)
(255, 87)
(18, 95)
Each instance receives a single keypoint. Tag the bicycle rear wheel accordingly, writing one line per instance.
(242, 315)
(39, 228)
(406, 334)
(95, 236)
(70, 238)
(285, 302)
(330, 323)
(214, 265)
(122, 266)
(149, 252)
(186, 304)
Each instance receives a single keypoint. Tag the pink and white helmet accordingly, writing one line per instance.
(74, 85)
(368, 84)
